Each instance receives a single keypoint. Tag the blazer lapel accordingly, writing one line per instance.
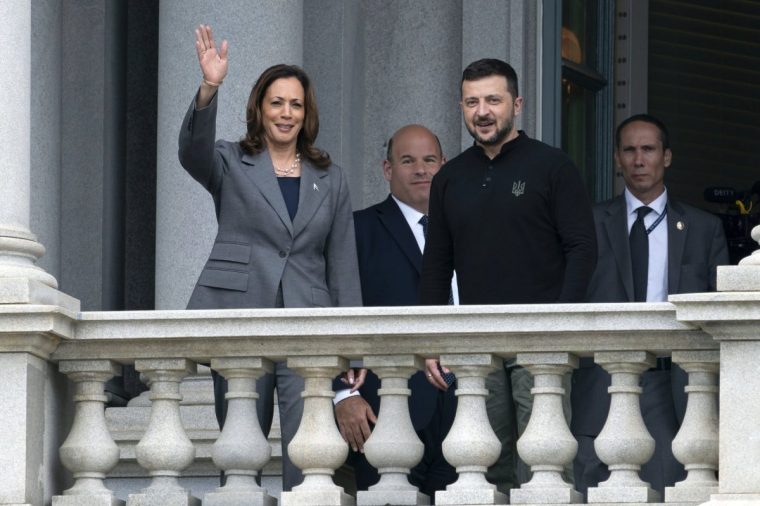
(678, 228)
(261, 172)
(393, 220)
(616, 227)
(315, 185)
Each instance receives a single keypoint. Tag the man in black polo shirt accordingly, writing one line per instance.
(511, 215)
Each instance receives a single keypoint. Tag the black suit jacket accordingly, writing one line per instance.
(695, 248)
(389, 269)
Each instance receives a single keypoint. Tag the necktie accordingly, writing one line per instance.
(639, 243)
(424, 222)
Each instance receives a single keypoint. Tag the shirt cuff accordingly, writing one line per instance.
(344, 394)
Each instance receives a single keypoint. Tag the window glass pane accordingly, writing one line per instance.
(580, 84)
(578, 130)
(579, 31)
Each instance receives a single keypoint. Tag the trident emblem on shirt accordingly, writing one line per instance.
(518, 188)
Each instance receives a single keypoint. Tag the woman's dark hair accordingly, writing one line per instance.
(254, 142)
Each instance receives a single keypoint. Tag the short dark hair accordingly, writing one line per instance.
(492, 67)
(646, 118)
(389, 152)
(254, 142)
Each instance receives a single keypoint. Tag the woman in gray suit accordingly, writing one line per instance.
(286, 234)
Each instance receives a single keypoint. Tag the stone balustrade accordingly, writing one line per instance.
(318, 343)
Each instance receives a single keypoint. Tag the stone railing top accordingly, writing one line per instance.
(357, 332)
(725, 315)
(35, 329)
(744, 277)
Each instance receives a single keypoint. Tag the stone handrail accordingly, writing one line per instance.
(318, 343)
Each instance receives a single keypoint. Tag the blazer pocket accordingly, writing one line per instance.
(231, 252)
(320, 297)
(225, 279)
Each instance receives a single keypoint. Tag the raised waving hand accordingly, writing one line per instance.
(213, 62)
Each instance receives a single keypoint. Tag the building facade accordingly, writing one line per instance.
(97, 215)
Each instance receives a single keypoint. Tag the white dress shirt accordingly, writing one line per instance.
(412, 217)
(657, 278)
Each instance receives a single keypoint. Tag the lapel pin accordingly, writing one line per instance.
(680, 225)
(316, 188)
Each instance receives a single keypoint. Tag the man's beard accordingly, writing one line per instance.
(497, 138)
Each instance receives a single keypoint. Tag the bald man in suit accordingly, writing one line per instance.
(685, 245)
(390, 238)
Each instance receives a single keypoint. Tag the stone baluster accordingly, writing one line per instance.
(696, 445)
(393, 448)
(164, 450)
(471, 445)
(242, 450)
(547, 445)
(317, 448)
(752, 261)
(624, 443)
(89, 452)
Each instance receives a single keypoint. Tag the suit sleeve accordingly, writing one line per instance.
(340, 254)
(197, 152)
(718, 252)
(438, 259)
(575, 226)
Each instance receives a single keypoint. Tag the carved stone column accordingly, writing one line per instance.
(547, 445)
(624, 443)
(89, 452)
(242, 450)
(696, 445)
(471, 445)
(21, 280)
(393, 448)
(732, 318)
(317, 448)
(164, 450)
(19, 248)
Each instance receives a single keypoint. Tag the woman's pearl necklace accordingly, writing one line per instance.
(290, 170)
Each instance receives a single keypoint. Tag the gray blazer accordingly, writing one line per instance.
(695, 248)
(258, 248)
